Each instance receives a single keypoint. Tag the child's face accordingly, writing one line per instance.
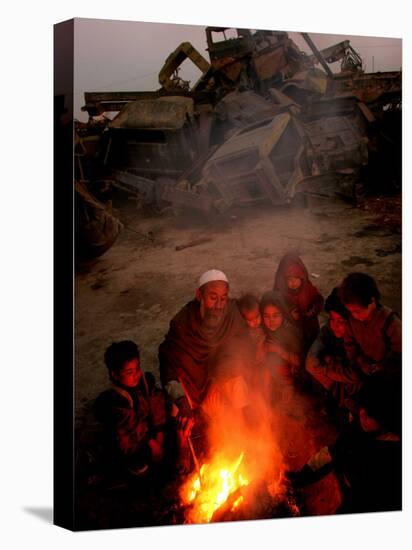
(252, 317)
(294, 283)
(130, 374)
(272, 318)
(337, 324)
(361, 313)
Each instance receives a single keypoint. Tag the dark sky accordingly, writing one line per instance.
(126, 55)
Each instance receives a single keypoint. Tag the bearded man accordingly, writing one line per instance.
(203, 345)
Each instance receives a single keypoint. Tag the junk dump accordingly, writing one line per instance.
(265, 122)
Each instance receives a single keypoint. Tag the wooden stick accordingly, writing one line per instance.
(223, 513)
(195, 460)
(193, 243)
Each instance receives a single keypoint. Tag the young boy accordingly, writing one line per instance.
(303, 298)
(249, 309)
(248, 306)
(133, 417)
(374, 338)
(327, 361)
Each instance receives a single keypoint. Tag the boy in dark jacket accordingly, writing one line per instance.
(327, 360)
(374, 339)
(133, 416)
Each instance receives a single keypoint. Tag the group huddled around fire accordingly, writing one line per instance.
(232, 369)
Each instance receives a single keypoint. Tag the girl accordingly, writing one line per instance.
(304, 301)
(283, 346)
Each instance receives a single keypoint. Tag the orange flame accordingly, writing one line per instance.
(209, 490)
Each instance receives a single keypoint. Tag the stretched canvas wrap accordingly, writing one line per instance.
(227, 274)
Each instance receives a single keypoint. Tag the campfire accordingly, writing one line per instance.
(238, 472)
(227, 489)
(218, 485)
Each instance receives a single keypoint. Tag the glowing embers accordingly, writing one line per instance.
(218, 484)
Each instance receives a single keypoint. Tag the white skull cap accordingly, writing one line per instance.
(212, 275)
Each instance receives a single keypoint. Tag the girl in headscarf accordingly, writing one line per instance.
(303, 299)
(283, 346)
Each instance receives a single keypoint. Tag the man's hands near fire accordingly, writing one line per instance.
(185, 421)
(185, 416)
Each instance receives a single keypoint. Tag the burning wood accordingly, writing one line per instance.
(224, 512)
(229, 490)
(209, 490)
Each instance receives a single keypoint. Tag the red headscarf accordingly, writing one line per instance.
(292, 266)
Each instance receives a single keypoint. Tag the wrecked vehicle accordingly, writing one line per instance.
(262, 123)
(155, 136)
(96, 227)
(279, 158)
(256, 60)
(264, 160)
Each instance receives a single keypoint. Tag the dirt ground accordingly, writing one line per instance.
(137, 286)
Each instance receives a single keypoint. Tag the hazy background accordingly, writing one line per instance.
(27, 276)
(127, 56)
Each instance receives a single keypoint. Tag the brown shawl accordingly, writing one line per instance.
(190, 350)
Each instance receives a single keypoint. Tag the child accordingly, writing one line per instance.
(374, 341)
(133, 417)
(283, 346)
(254, 351)
(367, 456)
(249, 309)
(327, 361)
(303, 299)
(248, 306)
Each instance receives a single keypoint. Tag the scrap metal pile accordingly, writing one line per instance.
(262, 123)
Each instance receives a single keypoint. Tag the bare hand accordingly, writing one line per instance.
(186, 425)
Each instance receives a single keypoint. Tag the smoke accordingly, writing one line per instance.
(258, 428)
(276, 426)
(249, 430)
(241, 419)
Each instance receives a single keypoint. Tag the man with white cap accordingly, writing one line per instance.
(203, 330)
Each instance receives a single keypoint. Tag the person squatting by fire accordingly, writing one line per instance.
(244, 382)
